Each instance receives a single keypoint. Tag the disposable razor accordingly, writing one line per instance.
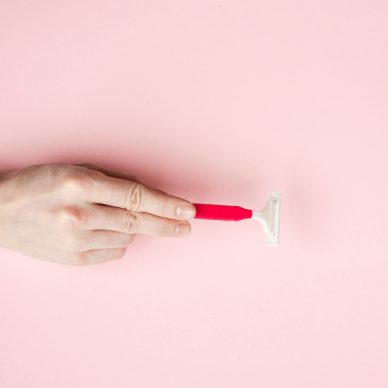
(269, 216)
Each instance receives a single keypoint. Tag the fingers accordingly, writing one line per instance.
(128, 222)
(137, 197)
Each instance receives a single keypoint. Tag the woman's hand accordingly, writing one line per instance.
(83, 214)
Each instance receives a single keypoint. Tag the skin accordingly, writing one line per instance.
(82, 214)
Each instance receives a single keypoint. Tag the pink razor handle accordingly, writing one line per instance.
(221, 212)
(268, 216)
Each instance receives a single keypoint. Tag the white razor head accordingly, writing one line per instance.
(269, 217)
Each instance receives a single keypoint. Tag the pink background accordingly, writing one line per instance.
(213, 101)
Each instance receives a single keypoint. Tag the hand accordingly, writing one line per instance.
(82, 214)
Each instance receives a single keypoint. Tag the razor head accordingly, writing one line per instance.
(273, 211)
(269, 217)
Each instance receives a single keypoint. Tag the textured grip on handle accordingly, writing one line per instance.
(221, 212)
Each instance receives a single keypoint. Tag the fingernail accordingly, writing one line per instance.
(182, 229)
(185, 211)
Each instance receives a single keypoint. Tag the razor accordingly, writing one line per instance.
(269, 216)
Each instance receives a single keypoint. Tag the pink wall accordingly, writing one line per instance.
(214, 101)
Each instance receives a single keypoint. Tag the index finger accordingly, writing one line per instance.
(139, 197)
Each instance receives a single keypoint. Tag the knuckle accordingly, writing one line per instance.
(77, 259)
(121, 253)
(84, 241)
(131, 238)
(188, 229)
(130, 222)
(77, 243)
(77, 180)
(168, 229)
(73, 217)
(134, 197)
(164, 207)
